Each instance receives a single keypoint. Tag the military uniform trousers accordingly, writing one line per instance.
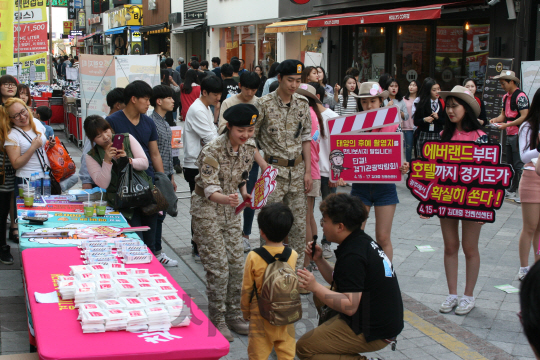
(290, 191)
(218, 235)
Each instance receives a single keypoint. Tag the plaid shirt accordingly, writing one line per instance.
(164, 142)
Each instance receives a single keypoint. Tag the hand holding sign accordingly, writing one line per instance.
(262, 189)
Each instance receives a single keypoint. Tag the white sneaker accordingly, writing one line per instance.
(166, 261)
(449, 304)
(509, 194)
(247, 245)
(465, 306)
(326, 251)
(517, 199)
(522, 272)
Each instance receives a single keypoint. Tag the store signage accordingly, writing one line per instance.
(94, 20)
(450, 39)
(493, 93)
(30, 11)
(118, 16)
(68, 26)
(194, 15)
(79, 4)
(58, 3)
(81, 19)
(76, 33)
(33, 37)
(39, 61)
(72, 13)
(300, 2)
(367, 157)
(378, 17)
(460, 180)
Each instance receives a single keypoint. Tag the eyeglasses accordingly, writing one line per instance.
(9, 85)
(19, 114)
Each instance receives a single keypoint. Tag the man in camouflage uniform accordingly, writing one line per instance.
(283, 132)
(217, 230)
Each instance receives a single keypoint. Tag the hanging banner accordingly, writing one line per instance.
(460, 180)
(6, 33)
(366, 158)
(40, 63)
(30, 11)
(97, 79)
(141, 67)
(33, 37)
(365, 120)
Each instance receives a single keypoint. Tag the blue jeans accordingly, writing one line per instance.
(148, 237)
(325, 191)
(376, 194)
(249, 213)
(175, 115)
(159, 228)
(408, 136)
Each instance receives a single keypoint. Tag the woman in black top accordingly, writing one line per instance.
(260, 72)
(429, 115)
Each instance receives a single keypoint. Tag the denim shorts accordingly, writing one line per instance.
(376, 194)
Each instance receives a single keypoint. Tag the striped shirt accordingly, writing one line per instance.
(349, 110)
(164, 142)
(9, 182)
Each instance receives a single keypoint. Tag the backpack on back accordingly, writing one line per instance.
(279, 300)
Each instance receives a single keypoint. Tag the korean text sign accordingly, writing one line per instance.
(30, 11)
(37, 60)
(460, 180)
(366, 158)
(33, 37)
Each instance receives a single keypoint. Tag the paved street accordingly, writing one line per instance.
(491, 331)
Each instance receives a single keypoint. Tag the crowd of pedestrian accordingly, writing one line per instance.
(235, 124)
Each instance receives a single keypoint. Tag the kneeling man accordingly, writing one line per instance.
(364, 295)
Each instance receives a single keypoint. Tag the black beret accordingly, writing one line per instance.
(241, 115)
(290, 67)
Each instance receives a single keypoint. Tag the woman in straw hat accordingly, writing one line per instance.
(313, 92)
(382, 196)
(461, 125)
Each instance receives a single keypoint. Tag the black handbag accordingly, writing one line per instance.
(327, 312)
(133, 191)
(56, 189)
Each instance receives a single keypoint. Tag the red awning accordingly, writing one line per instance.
(378, 16)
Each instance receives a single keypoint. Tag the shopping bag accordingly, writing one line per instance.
(62, 165)
(133, 190)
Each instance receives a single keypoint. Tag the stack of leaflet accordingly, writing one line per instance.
(93, 321)
(137, 321)
(158, 318)
(116, 320)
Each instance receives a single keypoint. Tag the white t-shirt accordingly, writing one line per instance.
(324, 146)
(199, 130)
(15, 138)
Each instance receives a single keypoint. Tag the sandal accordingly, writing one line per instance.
(12, 236)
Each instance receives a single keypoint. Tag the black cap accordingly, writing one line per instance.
(242, 115)
(290, 67)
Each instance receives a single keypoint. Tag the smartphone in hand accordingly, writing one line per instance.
(118, 141)
(313, 245)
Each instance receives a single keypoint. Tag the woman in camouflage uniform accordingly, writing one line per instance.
(224, 164)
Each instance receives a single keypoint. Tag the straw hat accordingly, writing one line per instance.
(308, 91)
(507, 75)
(463, 94)
(371, 89)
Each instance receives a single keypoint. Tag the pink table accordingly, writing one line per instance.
(59, 334)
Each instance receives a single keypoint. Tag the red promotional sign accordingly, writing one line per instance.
(450, 39)
(33, 37)
(430, 12)
(262, 189)
(300, 2)
(460, 180)
(366, 158)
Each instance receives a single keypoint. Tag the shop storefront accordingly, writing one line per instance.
(155, 32)
(299, 41)
(123, 29)
(189, 31)
(239, 29)
(447, 42)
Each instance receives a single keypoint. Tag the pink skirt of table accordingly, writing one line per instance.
(529, 187)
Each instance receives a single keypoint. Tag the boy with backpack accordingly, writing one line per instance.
(270, 298)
